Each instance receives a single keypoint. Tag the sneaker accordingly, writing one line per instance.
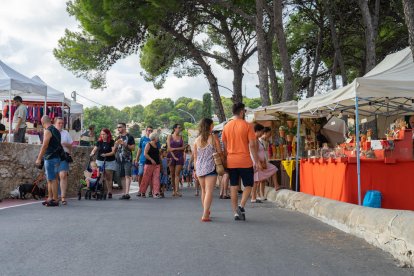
(125, 197)
(157, 196)
(52, 203)
(241, 213)
(236, 217)
(138, 194)
(256, 201)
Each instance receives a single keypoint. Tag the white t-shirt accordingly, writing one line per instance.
(65, 138)
(21, 112)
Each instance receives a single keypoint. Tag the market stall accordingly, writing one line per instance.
(347, 171)
(283, 121)
(12, 84)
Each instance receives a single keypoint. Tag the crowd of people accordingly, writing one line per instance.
(241, 147)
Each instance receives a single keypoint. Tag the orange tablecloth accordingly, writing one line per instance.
(338, 181)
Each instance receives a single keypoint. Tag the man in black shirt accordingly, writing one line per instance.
(51, 151)
(2, 129)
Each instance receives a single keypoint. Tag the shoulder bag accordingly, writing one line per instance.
(217, 159)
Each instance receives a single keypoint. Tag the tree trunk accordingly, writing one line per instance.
(335, 42)
(368, 21)
(311, 90)
(409, 21)
(274, 87)
(261, 53)
(284, 56)
(237, 83)
(212, 80)
(333, 74)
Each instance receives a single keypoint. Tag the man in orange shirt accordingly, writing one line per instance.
(239, 140)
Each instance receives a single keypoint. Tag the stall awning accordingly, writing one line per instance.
(11, 80)
(290, 108)
(386, 89)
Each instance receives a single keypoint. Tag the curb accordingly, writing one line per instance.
(390, 230)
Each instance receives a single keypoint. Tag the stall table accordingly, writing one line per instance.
(289, 175)
(337, 179)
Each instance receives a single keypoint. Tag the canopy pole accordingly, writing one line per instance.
(10, 118)
(297, 153)
(44, 113)
(358, 149)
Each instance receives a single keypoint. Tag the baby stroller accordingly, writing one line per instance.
(97, 188)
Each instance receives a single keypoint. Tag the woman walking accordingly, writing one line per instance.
(175, 147)
(106, 153)
(152, 167)
(205, 168)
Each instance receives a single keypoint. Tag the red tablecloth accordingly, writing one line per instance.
(338, 181)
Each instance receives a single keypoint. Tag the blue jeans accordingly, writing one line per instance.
(52, 168)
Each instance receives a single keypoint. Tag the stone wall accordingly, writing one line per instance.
(17, 166)
(390, 230)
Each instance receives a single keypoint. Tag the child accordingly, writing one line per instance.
(94, 176)
(164, 171)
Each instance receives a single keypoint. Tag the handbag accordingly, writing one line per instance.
(63, 155)
(217, 160)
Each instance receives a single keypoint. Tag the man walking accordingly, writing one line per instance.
(239, 140)
(19, 121)
(124, 146)
(51, 150)
(66, 142)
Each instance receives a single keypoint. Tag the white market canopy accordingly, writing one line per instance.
(290, 108)
(17, 84)
(387, 89)
(53, 95)
(76, 108)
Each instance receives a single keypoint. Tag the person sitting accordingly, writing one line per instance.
(91, 181)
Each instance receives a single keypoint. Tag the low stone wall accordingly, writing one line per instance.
(390, 230)
(17, 166)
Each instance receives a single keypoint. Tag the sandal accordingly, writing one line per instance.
(64, 202)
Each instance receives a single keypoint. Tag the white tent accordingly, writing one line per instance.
(53, 95)
(289, 108)
(76, 108)
(12, 83)
(18, 84)
(388, 89)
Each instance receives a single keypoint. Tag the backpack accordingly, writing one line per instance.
(123, 154)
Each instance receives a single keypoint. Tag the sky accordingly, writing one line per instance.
(30, 30)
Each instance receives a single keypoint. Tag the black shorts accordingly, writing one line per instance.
(246, 175)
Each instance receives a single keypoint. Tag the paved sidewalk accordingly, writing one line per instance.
(165, 237)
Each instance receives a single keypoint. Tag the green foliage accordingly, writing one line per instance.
(207, 106)
(104, 117)
(135, 131)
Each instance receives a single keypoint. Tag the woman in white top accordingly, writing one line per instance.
(204, 166)
(66, 142)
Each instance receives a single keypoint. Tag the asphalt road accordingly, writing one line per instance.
(165, 237)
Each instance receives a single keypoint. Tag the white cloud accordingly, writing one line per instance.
(29, 30)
